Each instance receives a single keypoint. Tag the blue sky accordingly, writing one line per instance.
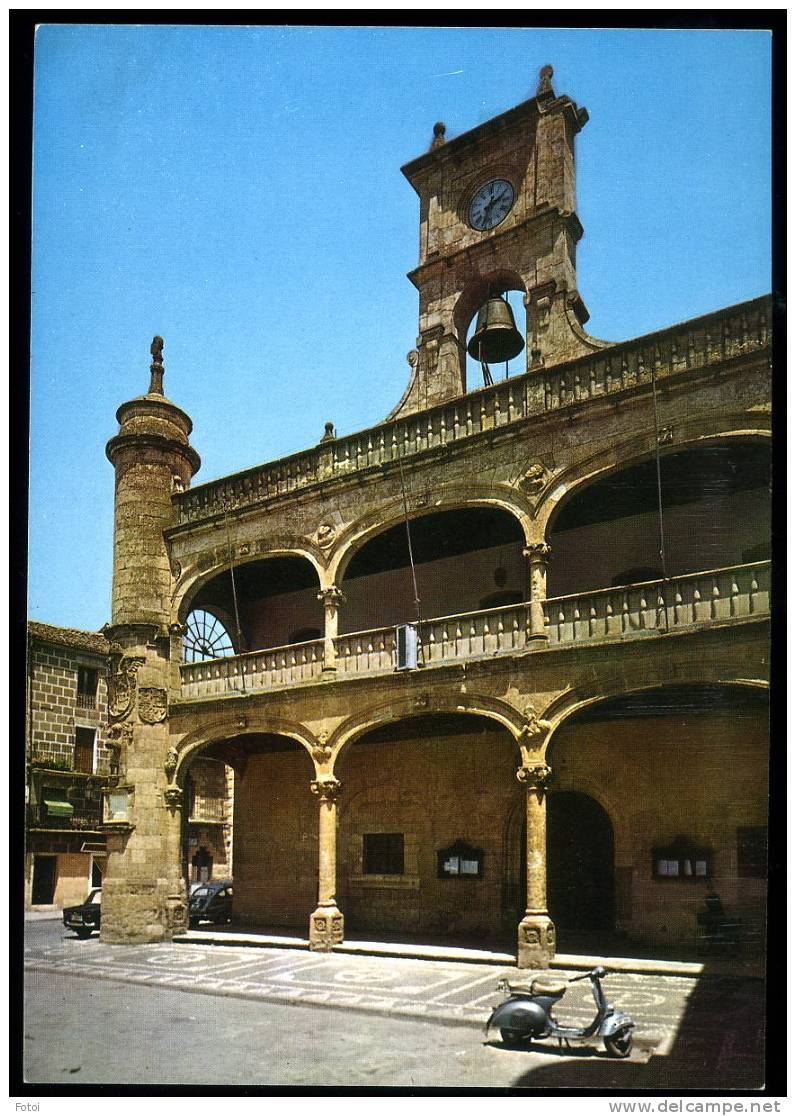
(237, 190)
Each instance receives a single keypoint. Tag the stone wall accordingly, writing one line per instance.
(276, 841)
(54, 711)
(434, 791)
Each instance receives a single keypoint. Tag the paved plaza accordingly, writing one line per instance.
(676, 1016)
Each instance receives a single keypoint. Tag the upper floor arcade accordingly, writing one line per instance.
(632, 501)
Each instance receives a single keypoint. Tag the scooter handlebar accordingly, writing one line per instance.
(599, 972)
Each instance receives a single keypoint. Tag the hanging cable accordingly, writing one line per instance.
(411, 557)
(234, 596)
(661, 543)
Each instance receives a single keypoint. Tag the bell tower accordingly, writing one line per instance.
(497, 213)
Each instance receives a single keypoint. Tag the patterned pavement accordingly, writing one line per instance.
(674, 1015)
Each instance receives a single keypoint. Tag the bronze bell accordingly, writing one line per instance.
(496, 337)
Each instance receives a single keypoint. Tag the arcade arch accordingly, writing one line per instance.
(672, 765)
(414, 790)
(460, 555)
(274, 600)
(716, 513)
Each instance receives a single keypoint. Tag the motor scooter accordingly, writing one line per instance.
(528, 1014)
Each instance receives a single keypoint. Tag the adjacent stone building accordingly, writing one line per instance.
(69, 763)
(496, 665)
(72, 763)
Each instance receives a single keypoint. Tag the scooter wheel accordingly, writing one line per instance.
(512, 1038)
(620, 1044)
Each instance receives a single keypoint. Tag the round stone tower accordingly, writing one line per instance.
(143, 892)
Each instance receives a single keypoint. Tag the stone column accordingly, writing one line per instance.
(332, 599)
(536, 938)
(143, 894)
(537, 555)
(326, 921)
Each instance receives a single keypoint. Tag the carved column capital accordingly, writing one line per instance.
(327, 788)
(535, 778)
(537, 552)
(331, 597)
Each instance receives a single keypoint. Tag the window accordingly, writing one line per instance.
(752, 851)
(84, 750)
(86, 687)
(501, 599)
(205, 637)
(202, 866)
(460, 861)
(383, 854)
(304, 635)
(759, 553)
(636, 575)
(116, 803)
(682, 860)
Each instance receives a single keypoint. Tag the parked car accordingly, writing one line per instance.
(212, 902)
(85, 918)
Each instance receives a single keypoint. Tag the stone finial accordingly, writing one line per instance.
(439, 136)
(156, 367)
(328, 432)
(545, 87)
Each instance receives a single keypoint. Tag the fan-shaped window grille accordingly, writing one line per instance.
(206, 637)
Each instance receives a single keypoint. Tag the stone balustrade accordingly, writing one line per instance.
(625, 612)
(493, 631)
(708, 341)
(257, 670)
(364, 652)
(653, 607)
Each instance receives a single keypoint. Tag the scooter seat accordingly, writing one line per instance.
(545, 987)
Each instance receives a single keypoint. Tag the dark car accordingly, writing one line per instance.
(85, 919)
(212, 902)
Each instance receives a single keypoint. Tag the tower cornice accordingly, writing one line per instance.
(504, 121)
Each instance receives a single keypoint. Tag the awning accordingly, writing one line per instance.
(58, 808)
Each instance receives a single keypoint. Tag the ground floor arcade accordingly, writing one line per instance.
(643, 805)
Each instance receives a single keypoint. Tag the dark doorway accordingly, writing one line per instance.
(202, 865)
(43, 890)
(580, 863)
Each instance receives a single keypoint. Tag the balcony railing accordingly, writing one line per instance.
(257, 670)
(38, 818)
(653, 607)
(650, 608)
(704, 342)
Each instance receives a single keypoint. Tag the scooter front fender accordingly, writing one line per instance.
(616, 1021)
(519, 1014)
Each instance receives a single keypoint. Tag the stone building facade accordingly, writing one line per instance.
(69, 762)
(72, 764)
(496, 665)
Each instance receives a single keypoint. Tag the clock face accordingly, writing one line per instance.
(491, 204)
